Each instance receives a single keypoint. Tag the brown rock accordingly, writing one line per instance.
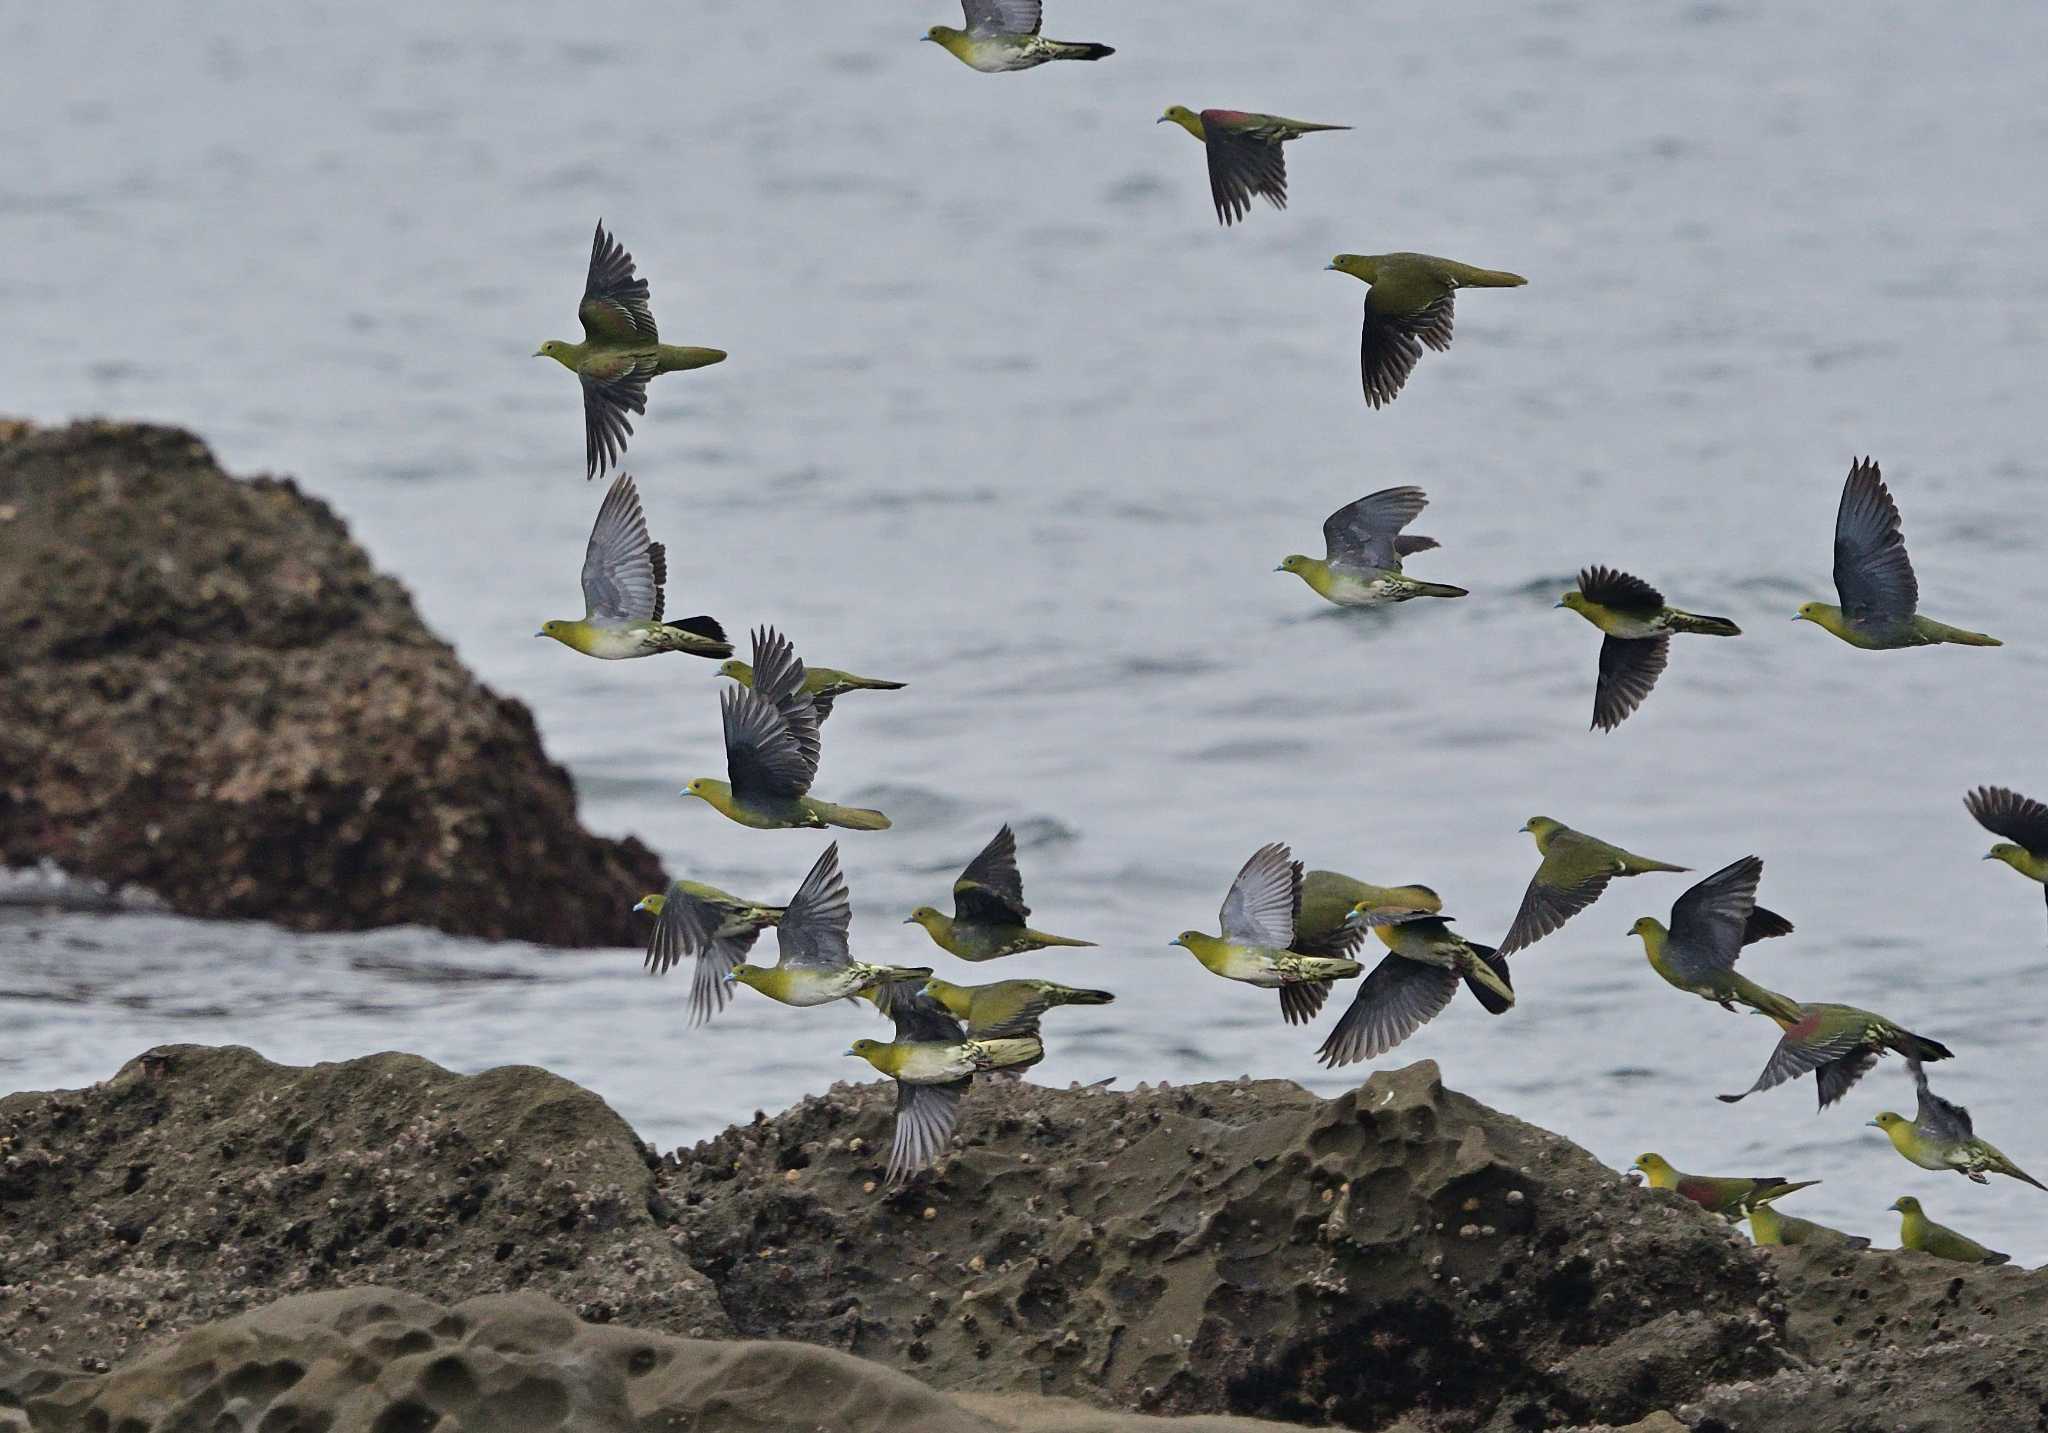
(209, 693)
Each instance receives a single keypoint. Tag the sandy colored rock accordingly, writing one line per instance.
(211, 694)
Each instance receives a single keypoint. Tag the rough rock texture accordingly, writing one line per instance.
(210, 693)
(380, 1360)
(1398, 1258)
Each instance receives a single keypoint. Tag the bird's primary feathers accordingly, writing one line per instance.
(1918, 1232)
(1838, 1044)
(1362, 550)
(2022, 821)
(1413, 983)
(623, 575)
(1244, 155)
(1408, 307)
(1721, 1195)
(620, 353)
(1574, 870)
(989, 915)
(1942, 1136)
(933, 1061)
(715, 929)
(1879, 595)
(823, 685)
(1002, 35)
(1710, 925)
(1637, 642)
(1323, 927)
(815, 964)
(1257, 923)
(772, 751)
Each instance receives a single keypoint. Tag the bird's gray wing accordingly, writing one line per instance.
(622, 569)
(921, 1020)
(1002, 17)
(1629, 668)
(1873, 576)
(1545, 908)
(1837, 1077)
(1301, 1003)
(1335, 944)
(2020, 819)
(763, 757)
(1938, 1118)
(1242, 165)
(1363, 534)
(991, 890)
(925, 1115)
(779, 678)
(614, 308)
(1795, 1057)
(1611, 587)
(1764, 925)
(612, 388)
(1709, 920)
(813, 928)
(1396, 998)
(1390, 345)
(1264, 899)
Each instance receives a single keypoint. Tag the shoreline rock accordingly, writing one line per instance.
(1399, 1256)
(212, 695)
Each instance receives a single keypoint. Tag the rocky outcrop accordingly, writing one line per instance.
(1399, 1257)
(209, 693)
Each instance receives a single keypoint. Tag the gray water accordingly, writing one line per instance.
(1009, 418)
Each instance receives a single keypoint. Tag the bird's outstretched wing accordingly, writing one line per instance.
(622, 569)
(614, 308)
(1709, 921)
(1613, 588)
(1798, 1053)
(1397, 997)
(1629, 668)
(813, 930)
(614, 385)
(1390, 343)
(991, 890)
(1002, 17)
(762, 755)
(779, 678)
(2020, 819)
(1264, 900)
(1559, 890)
(1365, 533)
(925, 1116)
(1938, 1118)
(1241, 164)
(1873, 576)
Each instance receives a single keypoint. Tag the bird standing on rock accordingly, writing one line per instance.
(816, 965)
(1413, 983)
(1874, 578)
(1638, 642)
(1768, 1226)
(1408, 307)
(1574, 870)
(2023, 822)
(623, 574)
(1917, 1231)
(989, 913)
(1002, 35)
(1942, 1136)
(1839, 1044)
(1727, 1197)
(1244, 154)
(1257, 921)
(1710, 925)
(621, 351)
(1362, 550)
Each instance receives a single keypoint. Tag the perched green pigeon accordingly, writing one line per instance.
(1575, 869)
(1003, 35)
(1413, 983)
(1257, 922)
(623, 575)
(620, 352)
(1768, 1226)
(2023, 822)
(1362, 550)
(1244, 154)
(815, 965)
(989, 913)
(1941, 1136)
(1917, 1231)
(1408, 306)
(1874, 578)
(1718, 1194)
(1838, 1044)
(772, 751)
(823, 685)
(1638, 642)
(1710, 925)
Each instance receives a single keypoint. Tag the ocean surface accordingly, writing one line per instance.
(1009, 418)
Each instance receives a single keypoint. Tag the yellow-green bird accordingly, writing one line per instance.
(1244, 154)
(623, 576)
(1575, 869)
(989, 913)
(621, 351)
(1710, 925)
(716, 929)
(1257, 922)
(1917, 1231)
(2023, 822)
(1002, 35)
(1874, 578)
(815, 965)
(1413, 983)
(1727, 1197)
(772, 751)
(1408, 307)
(823, 685)
(1638, 642)
(1838, 1044)
(1008, 1007)
(1323, 927)
(1768, 1226)
(1941, 1136)
(1362, 550)
(933, 1061)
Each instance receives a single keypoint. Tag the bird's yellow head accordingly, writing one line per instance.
(559, 351)
(1906, 1204)
(1294, 562)
(739, 671)
(1186, 118)
(1359, 266)
(866, 1049)
(1808, 612)
(700, 788)
(1654, 1165)
(1646, 927)
(2009, 853)
(1574, 599)
(747, 975)
(1889, 1121)
(945, 35)
(651, 904)
(1186, 939)
(1542, 828)
(926, 916)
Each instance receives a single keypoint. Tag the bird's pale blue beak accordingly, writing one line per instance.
(849, 1049)
(1281, 568)
(731, 977)
(1872, 1124)
(1557, 604)
(1328, 267)
(540, 634)
(910, 920)
(1524, 826)
(538, 354)
(639, 905)
(1798, 616)
(1987, 856)
(921, 37)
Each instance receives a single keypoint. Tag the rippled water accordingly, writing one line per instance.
(1010, 419)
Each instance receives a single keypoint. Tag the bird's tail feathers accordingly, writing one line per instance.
(1704, 626)
(853, 818)
(1079, 50)
(1045, 939)
(1918, 1047)
(699, 636)
(1776, 1188)
(1024, 1050)
(1767, 1002)
(1643, 866)
(1941, 631)
(1470, 278)
(1856, 1241)
(875, 684)
(1489, 980)
(1086, 997)
(1439, 589)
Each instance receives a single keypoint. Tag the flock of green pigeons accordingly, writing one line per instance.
(1280, 928)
